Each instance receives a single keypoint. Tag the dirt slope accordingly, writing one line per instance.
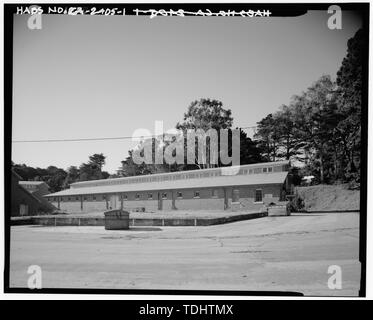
(329, 197)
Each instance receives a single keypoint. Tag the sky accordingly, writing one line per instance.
(99, 76)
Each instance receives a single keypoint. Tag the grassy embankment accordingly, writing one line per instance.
(329, 198)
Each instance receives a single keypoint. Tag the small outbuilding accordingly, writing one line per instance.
(27, 197)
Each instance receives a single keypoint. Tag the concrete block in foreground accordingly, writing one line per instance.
(279, 210)
(116, 220)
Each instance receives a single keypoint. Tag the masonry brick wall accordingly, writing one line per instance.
(208, 199)
(75, 206)
(149, 205)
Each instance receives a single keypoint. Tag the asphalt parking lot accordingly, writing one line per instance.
(267, 254)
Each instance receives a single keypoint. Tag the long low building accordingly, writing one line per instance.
(247, 187)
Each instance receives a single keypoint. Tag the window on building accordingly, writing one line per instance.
(164, 195)
(125, 197)
(265, 170)
(179, 194)
(76, 198)
(196, 194)
(150, 196)
(85, 198)
(258, 195)
(270, 169)
(94, 198)
(214, 193)
(137, 196)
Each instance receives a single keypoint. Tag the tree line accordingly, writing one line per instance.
(321, 127)
(59, 179)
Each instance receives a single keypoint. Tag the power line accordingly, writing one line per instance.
(95, 139)
(77, 140)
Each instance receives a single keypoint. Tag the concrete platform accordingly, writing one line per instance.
(137, 220)
(272, 253)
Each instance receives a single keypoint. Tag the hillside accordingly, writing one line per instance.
(329, 197)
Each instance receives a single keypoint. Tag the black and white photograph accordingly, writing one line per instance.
(186, 148)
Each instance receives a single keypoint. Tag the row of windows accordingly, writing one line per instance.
(151, 196)
(85, 198)
(166, 195)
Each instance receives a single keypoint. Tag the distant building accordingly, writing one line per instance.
(27, 197)
(250, 188)
(23, 203)
(40, 187)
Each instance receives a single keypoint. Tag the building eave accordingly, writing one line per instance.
(196, 183)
